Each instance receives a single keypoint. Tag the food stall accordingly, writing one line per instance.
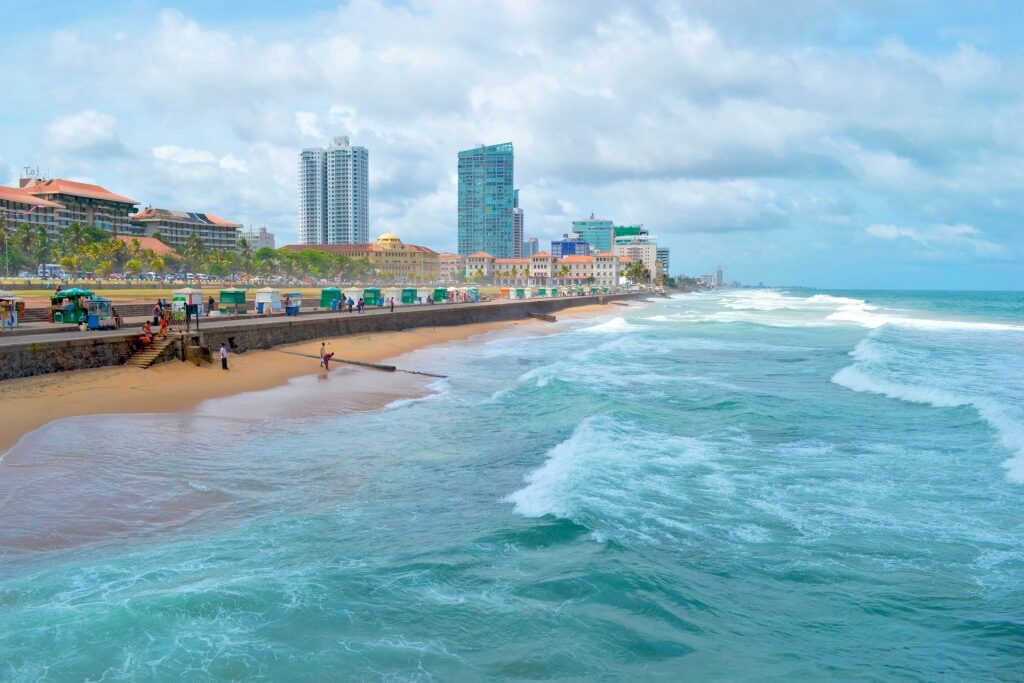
(181, 298)
(70, 306)
(293, 303)
(409, 295)
(12, 308)
(440, 295)
(268, 300)
(371, 296)
(232, 301)
(330, 298)
(100, 314)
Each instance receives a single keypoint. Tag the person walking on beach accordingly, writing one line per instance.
(323, 352)
(223, 357)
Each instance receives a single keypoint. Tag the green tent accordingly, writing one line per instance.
(74, 291)
(371, 296)
(329, 294)
(409, 295)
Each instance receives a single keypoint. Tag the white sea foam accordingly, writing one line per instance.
(867, 316)
(1009, 429)
(616, 325)
(593, 479)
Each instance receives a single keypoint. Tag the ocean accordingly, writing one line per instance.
(741, 485)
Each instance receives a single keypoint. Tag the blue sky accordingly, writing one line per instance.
(829, 144)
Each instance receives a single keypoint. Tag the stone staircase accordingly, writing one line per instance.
(150, 354)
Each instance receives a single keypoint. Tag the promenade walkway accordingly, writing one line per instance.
(133, 325)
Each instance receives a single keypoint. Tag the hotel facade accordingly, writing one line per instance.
(176, 227)
(64, 202)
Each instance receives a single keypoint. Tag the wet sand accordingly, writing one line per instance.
(31, 402)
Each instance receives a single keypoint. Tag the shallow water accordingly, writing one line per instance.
(746, 485)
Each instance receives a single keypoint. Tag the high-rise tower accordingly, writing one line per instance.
(334, 194)
(487, 201)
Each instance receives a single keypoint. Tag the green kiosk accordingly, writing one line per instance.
(371, 296)
(232, 301)
(409, 295)
(70, 306)
(440, 294)
(328, 297)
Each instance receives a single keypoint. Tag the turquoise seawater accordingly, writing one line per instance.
(740, 485)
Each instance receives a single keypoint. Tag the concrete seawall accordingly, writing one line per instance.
(59, 353)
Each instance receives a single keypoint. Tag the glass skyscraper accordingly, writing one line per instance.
(597, 232)
(334, 194)
(487, 201)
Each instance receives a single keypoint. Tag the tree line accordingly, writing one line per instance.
(83, 250)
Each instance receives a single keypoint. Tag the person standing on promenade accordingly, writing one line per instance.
(350, 304)
(392, 304)
(360, 304)
(209, 306)
(223, 357)
(156, 312)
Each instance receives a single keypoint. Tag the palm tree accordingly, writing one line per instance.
(73, 237)
(244, 255)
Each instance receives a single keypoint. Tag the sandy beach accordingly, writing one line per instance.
(31, 402)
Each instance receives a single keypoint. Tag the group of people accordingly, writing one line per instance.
(360, 305)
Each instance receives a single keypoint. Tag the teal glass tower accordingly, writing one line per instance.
(487, 201)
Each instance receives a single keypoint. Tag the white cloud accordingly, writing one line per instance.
(308, 124)
(183, 155)
(661, 113)
(939, 236)
(88, 130)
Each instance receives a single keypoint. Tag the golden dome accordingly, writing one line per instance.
(389, 240)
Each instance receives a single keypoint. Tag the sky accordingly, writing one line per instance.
(873, 144)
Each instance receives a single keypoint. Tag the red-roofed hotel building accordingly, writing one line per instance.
(175, 227)
(76, 202)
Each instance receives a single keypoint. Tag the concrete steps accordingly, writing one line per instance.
(149, 355)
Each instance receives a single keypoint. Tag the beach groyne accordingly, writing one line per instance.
(57, 353)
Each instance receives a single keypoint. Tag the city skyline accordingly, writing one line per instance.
(856, 146)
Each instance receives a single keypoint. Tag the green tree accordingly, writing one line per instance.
(73, 237)
(193, 252)
(244, 256)
(637, 272)
(133, 267)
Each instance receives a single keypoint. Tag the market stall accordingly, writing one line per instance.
(70, 306)
(100, 314)
(409, 295)
(232, 301)
(371, 296)
(12, 308)
(292, 303)
(268, 300)
(330, 298)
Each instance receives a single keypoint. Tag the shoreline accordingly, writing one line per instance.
(31, 403)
